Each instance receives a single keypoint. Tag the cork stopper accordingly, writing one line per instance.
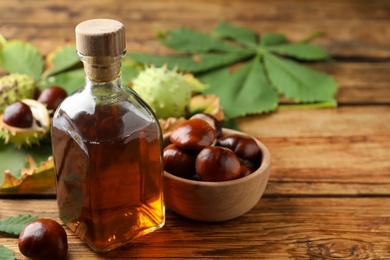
(100, 42)
(100, 37)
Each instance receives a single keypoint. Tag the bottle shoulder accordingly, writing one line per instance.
(104, 116)
(87, 100)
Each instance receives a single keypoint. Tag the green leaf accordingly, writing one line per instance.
(62, 59)
(15, 225)
(129, 70)
(244, 92)
(231, 124)
(188, 40)
(195, 64)
(14, 160)
(299, 82)
(210, 58)
(324, 104)
(240, 34)
(301, 51)
(21, 57)
(268, 39)
(6, 253)
(311, 37)
(2, 40)
(182, 62)
(70, 80)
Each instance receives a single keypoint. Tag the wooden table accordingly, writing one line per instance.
(328, 196)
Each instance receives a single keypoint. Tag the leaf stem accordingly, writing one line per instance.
(260, 51)
(311, 37)
(325, 104)
(2, 40)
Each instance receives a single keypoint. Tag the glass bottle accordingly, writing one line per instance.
(107, 148)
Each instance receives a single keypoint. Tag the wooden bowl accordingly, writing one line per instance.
(216, 201)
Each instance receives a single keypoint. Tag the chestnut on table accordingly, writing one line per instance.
(43, 239)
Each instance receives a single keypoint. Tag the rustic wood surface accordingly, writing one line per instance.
(329, 187)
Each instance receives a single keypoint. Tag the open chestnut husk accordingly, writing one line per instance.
(18, 114)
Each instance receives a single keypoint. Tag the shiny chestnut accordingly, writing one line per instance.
(245, 147)
(244, 171)
(211, 120)
(52, 97)
(43, 239)
(179, 162)
(18, 114)
(193, 134)
(215, 163)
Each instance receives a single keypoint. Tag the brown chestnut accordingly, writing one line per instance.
(43, 239)
(18, 114)
(252, 165)
(244, 171)
(179, 162)
(193, 134)
(52, 97)
(216, 163)
(245, 147)
(211, 120)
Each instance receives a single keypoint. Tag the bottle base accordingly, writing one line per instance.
(129, 240)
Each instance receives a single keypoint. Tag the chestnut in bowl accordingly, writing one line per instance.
(217, 201)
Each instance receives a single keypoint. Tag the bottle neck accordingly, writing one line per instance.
(102, 69)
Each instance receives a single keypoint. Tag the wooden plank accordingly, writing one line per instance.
(357, 37)
(359, 82)
(342, 124)
(285, 10)
(312, 148)
(277, 228)
(328, 194)
(326, 151)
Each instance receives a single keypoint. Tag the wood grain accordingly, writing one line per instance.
(356, 36)
(326, 151)
(359, 82)
(277, 228)
(329, 189)
(312, 148)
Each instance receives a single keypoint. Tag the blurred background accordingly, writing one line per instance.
(50, 24)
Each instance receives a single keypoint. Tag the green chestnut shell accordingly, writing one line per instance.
(166, 91)
(14, 87)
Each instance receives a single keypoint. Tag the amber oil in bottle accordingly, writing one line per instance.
(107, 148)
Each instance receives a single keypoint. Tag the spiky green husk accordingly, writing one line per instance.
(14, 87)
(27, 136)
(166, 91)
